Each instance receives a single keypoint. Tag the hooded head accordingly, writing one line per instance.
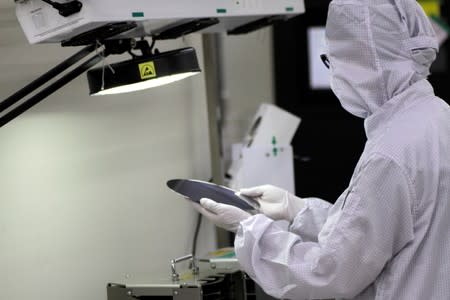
(377, 49)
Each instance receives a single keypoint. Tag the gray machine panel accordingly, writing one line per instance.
(211, 284)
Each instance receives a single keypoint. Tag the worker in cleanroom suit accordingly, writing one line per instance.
(388, 235)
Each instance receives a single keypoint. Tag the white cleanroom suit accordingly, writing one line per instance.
(387, 237)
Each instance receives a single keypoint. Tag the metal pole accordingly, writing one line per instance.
(212, 75)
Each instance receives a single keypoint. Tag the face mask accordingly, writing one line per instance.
(349, 101)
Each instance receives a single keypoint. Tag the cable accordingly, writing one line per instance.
(197, 230)
(152, 45)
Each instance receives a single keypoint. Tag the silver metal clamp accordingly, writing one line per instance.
(192, 265)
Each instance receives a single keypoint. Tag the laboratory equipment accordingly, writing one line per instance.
(100, 19)
(112, 26)
(211, 278)
(265, 155)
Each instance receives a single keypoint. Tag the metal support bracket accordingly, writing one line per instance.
(174, 262)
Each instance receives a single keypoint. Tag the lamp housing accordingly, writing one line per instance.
(143, 72)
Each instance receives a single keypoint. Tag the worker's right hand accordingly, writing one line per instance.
(275, 203)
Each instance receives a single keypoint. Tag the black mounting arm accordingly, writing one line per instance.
(9, 102)
(49, 90)
(66, 9)
(10, 107)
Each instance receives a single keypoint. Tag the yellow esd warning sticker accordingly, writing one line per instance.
(147, 70)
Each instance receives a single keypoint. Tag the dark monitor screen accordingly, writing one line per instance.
(319, 75)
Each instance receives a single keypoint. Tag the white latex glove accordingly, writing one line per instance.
(222, 215)
(276, 203)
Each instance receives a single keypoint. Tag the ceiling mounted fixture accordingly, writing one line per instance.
(143, 72)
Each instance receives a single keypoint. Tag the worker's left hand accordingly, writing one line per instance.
(276, 203)
(222, 215)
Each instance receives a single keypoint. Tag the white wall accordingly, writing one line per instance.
(82, 179)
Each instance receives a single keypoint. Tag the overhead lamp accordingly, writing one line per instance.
(143, 72)
(149, 69)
